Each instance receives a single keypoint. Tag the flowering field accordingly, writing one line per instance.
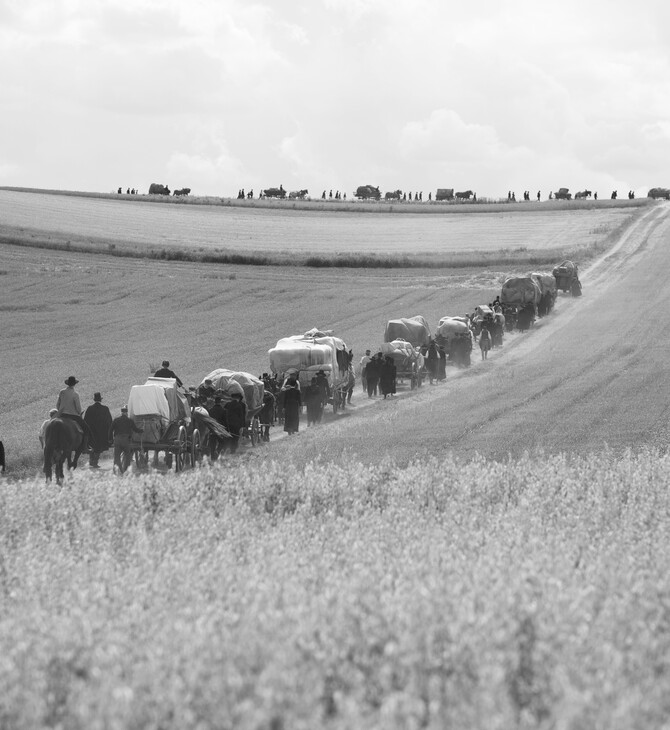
(530, 594)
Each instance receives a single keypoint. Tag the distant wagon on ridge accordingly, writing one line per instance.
(444, 194)
(367, 192)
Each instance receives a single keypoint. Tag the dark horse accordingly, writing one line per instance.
(62, 437)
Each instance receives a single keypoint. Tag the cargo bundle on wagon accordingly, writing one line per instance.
(308, 354)
(408, 360)
(519, 298)
(567, 278)
(168, 424)
(252, 389)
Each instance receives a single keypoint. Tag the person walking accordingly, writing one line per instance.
(441, 364)
(43, 428)
(236, 418)
(364, 362)
(387, 377)
(292, 402)
(372, 373)
(351, 383)
(431, 361)
(485, 343)
(120, 433)
(218, 413)
(98, 419)
(314, 402)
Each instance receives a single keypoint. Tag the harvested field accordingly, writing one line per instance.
(295, 236)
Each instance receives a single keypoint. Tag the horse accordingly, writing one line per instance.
(62, 437)
(466, 195)
(299, 194)
(583, 194)
(182, 191)
(395, 195)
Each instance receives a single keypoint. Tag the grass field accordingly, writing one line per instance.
(531, 594)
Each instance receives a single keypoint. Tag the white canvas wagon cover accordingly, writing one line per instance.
(310, 352)
(233, 381)
(159, 397)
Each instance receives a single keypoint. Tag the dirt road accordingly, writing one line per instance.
(593, 374)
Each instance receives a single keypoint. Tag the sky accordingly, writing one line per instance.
(218, 95)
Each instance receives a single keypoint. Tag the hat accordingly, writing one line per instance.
(97, 396)
(53, 411)
(124, 409)
(166, 363)
(71, 380)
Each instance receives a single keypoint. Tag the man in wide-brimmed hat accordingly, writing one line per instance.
(98, 419)
(69, 406)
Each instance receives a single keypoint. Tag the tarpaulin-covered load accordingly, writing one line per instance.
(414, 330)
(450, 327)
(230, 381)
(546, 282)
(520, 290)
(154, 405)
(405, 356)
(310, 352)
(567, 268)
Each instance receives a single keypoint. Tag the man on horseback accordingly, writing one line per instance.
(69, 407)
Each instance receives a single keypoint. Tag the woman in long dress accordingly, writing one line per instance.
(292, 403)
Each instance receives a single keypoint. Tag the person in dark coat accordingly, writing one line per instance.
(98, 419)
(292, 402)
(266, 416)
(441, 364)
(236, 417)
(387, 377)
(120, 432)
(165, 372)
(322, 382)
(314, 401)
(372, 376)
(218, 413)
(431, 361)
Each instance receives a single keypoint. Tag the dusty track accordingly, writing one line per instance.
(593, 374)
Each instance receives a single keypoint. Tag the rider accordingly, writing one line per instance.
(69, 407)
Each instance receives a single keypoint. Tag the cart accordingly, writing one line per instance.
(308, 354)
(567, 278)
(408, 360)
(165, 416)
(226, 382)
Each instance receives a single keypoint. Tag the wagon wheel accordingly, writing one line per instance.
(255, 431)
(180, 450)
(196, 448)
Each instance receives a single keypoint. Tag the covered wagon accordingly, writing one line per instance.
(311, 352)
(548, 291)
(444, 194)
(408, 360)
(414, 330)
(567, 278)
(520, 291)
(252, 389)
(163, 413)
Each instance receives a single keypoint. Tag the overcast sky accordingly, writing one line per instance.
(218, 95)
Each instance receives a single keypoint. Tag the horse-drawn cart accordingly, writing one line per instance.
(163, 413)
(408, 360)
(311, 353)
(252, 389)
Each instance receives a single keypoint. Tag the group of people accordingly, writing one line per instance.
(378, 374)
